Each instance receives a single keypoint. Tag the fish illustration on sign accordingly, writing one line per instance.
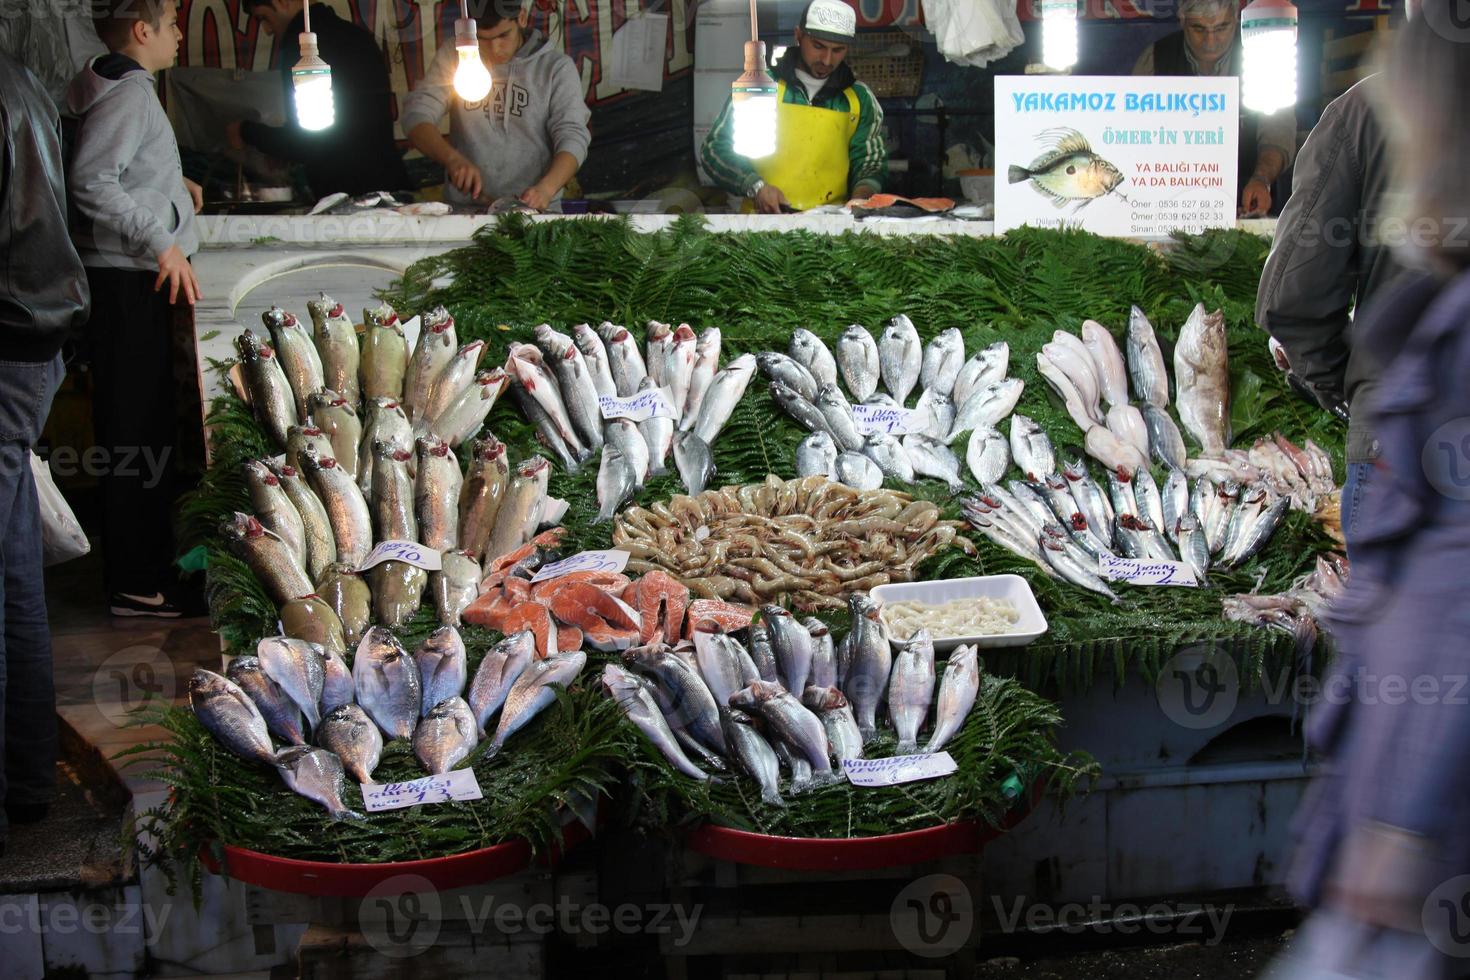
(1068, 171)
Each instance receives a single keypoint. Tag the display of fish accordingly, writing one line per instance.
(857, 359)
(446, 736)
(384, 354)
(388, 685)
(1068, 171)
(297, 667)
(843, 734)
(931, 457)
(270, 393)
(837, 413)
(352, 736)
(533, 691)
(900, 357)
(1202, 380)
(890, 456)
(229, 714)
(432, 352)
(337, 344)
(859, 472)
(1146, 362)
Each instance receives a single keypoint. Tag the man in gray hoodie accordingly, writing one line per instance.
(526, 139)
(134, 229)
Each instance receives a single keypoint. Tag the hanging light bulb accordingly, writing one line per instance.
(753, 100)
(1059, 34)
(311, 79)
(471, 78)
(1268, 32)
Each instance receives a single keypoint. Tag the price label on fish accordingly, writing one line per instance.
(408, 552)
(457, 785)
(585, 561)
(900, 769)
(1146, 571)
(654, 403)
(880, 418)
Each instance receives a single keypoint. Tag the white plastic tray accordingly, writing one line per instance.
(1014, 588)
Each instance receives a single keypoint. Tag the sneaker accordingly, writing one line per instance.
(156, 605)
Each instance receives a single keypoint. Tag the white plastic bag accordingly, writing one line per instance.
(61, 536)
(974, 32)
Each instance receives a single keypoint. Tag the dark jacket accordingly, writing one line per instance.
(43, 288)
(1325, 261)
(356, 154)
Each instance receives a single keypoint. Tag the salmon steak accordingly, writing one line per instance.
(606, 622)
(660, 600)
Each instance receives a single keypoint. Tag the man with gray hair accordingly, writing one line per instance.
(1208, 45)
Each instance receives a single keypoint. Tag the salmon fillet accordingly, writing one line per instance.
(660, 600)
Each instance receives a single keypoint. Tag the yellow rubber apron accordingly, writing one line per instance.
(810, 163)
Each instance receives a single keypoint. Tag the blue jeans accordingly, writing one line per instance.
(1354, 491)
(28, 742)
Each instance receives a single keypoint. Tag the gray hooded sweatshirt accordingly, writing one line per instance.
(534, 111)
(125, 179)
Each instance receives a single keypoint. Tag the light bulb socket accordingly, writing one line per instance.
(755, 65)
(311, 61)
(1261, 16)
(465, 35)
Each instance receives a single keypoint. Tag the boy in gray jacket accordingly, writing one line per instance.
(133, 226)
(525, 140)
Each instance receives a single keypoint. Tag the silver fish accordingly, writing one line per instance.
(881, 399)
(1202, 379)
(481, 494)
(578, 389)
(446, 736)
(900, 357)
(392, 498)
(751, 753)
(984, 367)
(807, 349)
(633, 696)
(989, 454)
(1031, 449)
(843, 733)
(617, 481)
(824, 653)
(1033, 501)
(387, 423)
(794, 404)
(660, 337)
(889, 455)
(442, 668)
(594, 352)
(336, 417)
(271, 559)
(434, 349)
(1175, 502)
(297, 667)
(683, 697)
(706, 364)
(270, 393)
(321, 546)
(230, 716)
(300, 438)
(724, 393)
(931, 457)
(1069, 568)
(467, 413)
(780, 368)
(1091, 502)
(317, 775)
(792, 644)
(911, 690)
(936, 413)
(1164, 440)
(791, 723)
(540, 398)
(816, 455)
(1247, 507)
(298, 356)
(857, 358)
(337, 686)
(436, 494)
(282, 716)
(1071, 355)
(533, 691)
(1107, 362)
(452, 382)
(624, 359)
(503, 663)
(694, 461)
(858, 471)
(833, 405)
(623, 435)
(1193, 549)
(683, 351)
(384, 354)
(658, 435)
(871, 658)
(1204, 505)
(1146, 362)
(942, 361)
(987, 406)
(388, 685)
(520, 514)
(957, 692)
(1254, 538)
(724, 664)
(337, 344)
(1120, 493)
(350, 734)
(273, 508)
(1150, 501)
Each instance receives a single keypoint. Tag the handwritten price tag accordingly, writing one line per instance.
(408, 552)
(640, 407)
(586, 561)
(457, 785)
(878, 418)
(1146, 571)
(900, 769)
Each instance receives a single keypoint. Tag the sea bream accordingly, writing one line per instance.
(349, 733)
(988, 455)
(230, 716)
(807, 349)
(900, 357)
(942, 361)
(985, 366)
(282, 716)
(317, 775)
(987, 406)
(503, 664)
(858, 471)
(816, 455)
(1068, 172)
(857, 359)
(1031, 449)
(446, 736)
(442, 667)
(1202, 379)
(935, 413)
(388, 684)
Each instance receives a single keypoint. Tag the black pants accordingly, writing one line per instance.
(136, 425)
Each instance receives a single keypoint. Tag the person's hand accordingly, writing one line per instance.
(536, 196)
(233, 136)
(1255, 199)
(196, 194)
(768, 200)
(465, 176)
(175, 269)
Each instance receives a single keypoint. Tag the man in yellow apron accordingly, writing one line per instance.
(829, 126)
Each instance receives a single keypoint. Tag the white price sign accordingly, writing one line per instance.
(655, 403)
(880, 418)
(457, 785)
(408, 552)
(899, 769)
(1146, 571)
(585, 561)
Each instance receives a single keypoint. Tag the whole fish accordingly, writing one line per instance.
(871, 657)
(807, 349)
(857, 359)
(785, 371)
(936, 413)
(1031, 449)
(724, 393)
(989, 453)
(1073, 360)
(578, 390)
(282, 716)
(345, 590)
(1120, 494)
(446, 736)
(1130, 535)
(942, 361)
(271, 559)
(310, 618)
(694, 461)
(1107, 362)
(1175, 503)
(706, 363)
(388, 686)
(1069, 568)
(843, 734)
(337, 686)
(432, 353)
(352, 524)
(638, 705)
(1103, 446)
(542, 399)
(391, 504)
(350, 734)
(987, 406)
(957, 692)
(816, 455)
(660, 337)
(1150, 501)
(384, 354)
(455, 585)
(900, 357)
(791, 723)
(503, 664)
(1068, 172)
(270, 393)
(1126, 422)
(481, 494)
(931, 457)
(682, 695)
(793, 646)
(273, 508)
(617, 481)
(520, 514)
(386, 423)
(442, 668)
(623, 436)
(1032, 501)
(1091, 502)
(751, 753)
(1222, 514)
(837, 413)
(1164, 440)
(1202, 380)
(824, 653)
(1255, 537)
(890, 456)
(436, 494)
(985, 366)
(1194, 551)
(1059, 382)
(336, 342)
(297, 667)
(858, 471)
(317, 775)
(657, 432)
(298, 356)
(1248, 505)
(761, 652)
(467, 413)
(230, 716)
(533, 691)
(624, 359)
(723, 663)
(321, 546)
(594, 352)
(1204, 503)
(794, 404)
(1146, 362)
(300, 438)
(336, 417)
(682, 352)
(453, 381)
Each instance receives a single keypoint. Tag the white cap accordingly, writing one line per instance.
(830, 20)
